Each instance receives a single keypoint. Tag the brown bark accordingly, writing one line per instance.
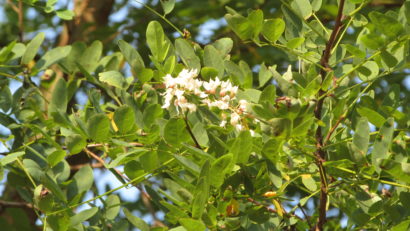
(90, 15)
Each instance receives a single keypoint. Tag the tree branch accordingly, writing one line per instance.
(320, 153)
(78, 166)
(19, 11)
(14, 204)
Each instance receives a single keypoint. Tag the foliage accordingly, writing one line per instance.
(210, 138)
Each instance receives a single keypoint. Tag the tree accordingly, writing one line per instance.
(293, 117)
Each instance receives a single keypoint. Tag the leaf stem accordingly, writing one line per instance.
(135, 180)
(161, 16)
(27, 173)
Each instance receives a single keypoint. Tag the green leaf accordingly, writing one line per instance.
(361, 140)
(209, 73)
(201, 192)
(82, 181)
(124, 118)
(212, 58)
(246, 28)
(355, 51)
(150, 114)
(280, 127)
(188, 164)
(75, 143)
(51, 184)
(382, 144)
(83, 216)
(302, 7)
(373, 116)
(135, 221)
(132, 56)
(200, 134)
(167, 6)
(294, 24)
(402, 226)
(133, 169)
(90, 57)
(198, 152)
(34, 169)
(6, 98)
(98, 127)
(388, 59)
(406, 9)
(295, 43)
(192, 224)
(65, 14)
(316, 5)
(251, 95)
(175, 132)
(70, 62)
(242, 147)
(112, 206)
(11, 157)
(187, 54)
(309, 182)
(372, 41)
(56, 157)
(223, 46)
(273, 29)
(268, 95)
(145, 75)
(386, 24)
(271, 148)
(43, 202)
(149, 161)
(219, 169)
(313, 86)
(59, 221)
(59, 99)
(157, 43)
(32, 48)
(264, 75)
(53, 56)
(6, 53)
(368, 71)
(113, 78)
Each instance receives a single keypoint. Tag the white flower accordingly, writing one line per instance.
(252, 132)
(219, 104)
(190, 106)
(179, 93)
(212, 85)
(188, 74)
(242, 105)
(239, 127)
(223, 123)
(235, 118)
(170, 81)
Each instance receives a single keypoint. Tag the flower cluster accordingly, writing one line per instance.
(214, 93)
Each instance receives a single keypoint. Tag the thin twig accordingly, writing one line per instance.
(146, 198)
(21, 21)
(304, 214)
(329, 134)
(253, 201)
(14, 204)
(191, 133)
(93, 165)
